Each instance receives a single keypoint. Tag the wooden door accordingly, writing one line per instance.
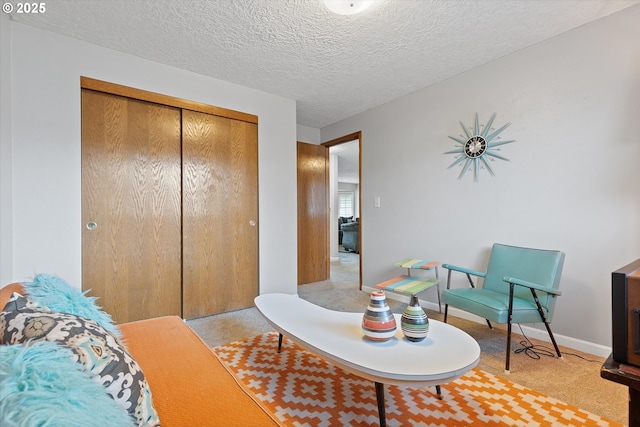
(220, 214)
(313, 213)
(131, 237)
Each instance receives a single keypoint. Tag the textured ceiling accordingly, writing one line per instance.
(333, 66)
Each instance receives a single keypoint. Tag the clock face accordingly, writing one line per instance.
(475, 147)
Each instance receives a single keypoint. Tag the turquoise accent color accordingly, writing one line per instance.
(464, 270)
(538, 266)
(475, 157)
(524, 269)
(56, 294)
(41, 385)
(491, 305)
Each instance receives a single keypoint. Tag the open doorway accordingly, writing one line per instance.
(345, 213)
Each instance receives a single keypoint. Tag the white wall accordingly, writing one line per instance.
(6, 235)
(571, 182)
(308, 134)
(45, 83)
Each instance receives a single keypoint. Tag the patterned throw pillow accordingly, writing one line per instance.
(58, 295)
(98, 351)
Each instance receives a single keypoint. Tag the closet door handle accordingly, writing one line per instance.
(92, 226)
(252, 223)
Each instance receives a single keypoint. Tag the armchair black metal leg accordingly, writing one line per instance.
(553, 340)
(438, 392)
(506, 368)
(470, 280)
(489, 324)
(446, 306)
(279, 343)
(546, 324)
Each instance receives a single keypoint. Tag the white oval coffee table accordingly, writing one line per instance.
(445, 355)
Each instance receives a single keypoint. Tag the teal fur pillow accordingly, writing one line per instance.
(94, 349)
(58, 295)
(40, 385)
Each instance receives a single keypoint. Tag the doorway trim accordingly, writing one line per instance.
(341, 140)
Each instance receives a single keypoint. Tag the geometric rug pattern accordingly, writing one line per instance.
(301, 389)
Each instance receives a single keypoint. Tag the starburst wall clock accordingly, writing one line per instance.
(477, 147)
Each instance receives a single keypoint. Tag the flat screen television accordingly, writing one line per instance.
(625, 309)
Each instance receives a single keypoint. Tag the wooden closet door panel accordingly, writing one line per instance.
(220, 214)
(131, 174)
(313, 213)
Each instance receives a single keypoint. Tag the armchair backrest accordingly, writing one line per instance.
(540, 266)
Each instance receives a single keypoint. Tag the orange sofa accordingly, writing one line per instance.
(189, 384)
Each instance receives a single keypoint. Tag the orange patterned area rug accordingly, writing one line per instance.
(302, 389)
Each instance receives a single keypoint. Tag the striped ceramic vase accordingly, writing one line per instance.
(414, 321)
(378, 322)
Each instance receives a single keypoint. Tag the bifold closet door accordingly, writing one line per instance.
(219, 214)
(131, 206)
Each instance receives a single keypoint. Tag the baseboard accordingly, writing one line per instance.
(529, 331)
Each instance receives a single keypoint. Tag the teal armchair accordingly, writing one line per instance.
(520, 286)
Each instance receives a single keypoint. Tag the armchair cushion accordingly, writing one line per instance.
(492, 305)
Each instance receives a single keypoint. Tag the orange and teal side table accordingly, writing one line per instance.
(413, 285)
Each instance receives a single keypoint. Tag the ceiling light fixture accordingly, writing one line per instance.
(347, 7)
